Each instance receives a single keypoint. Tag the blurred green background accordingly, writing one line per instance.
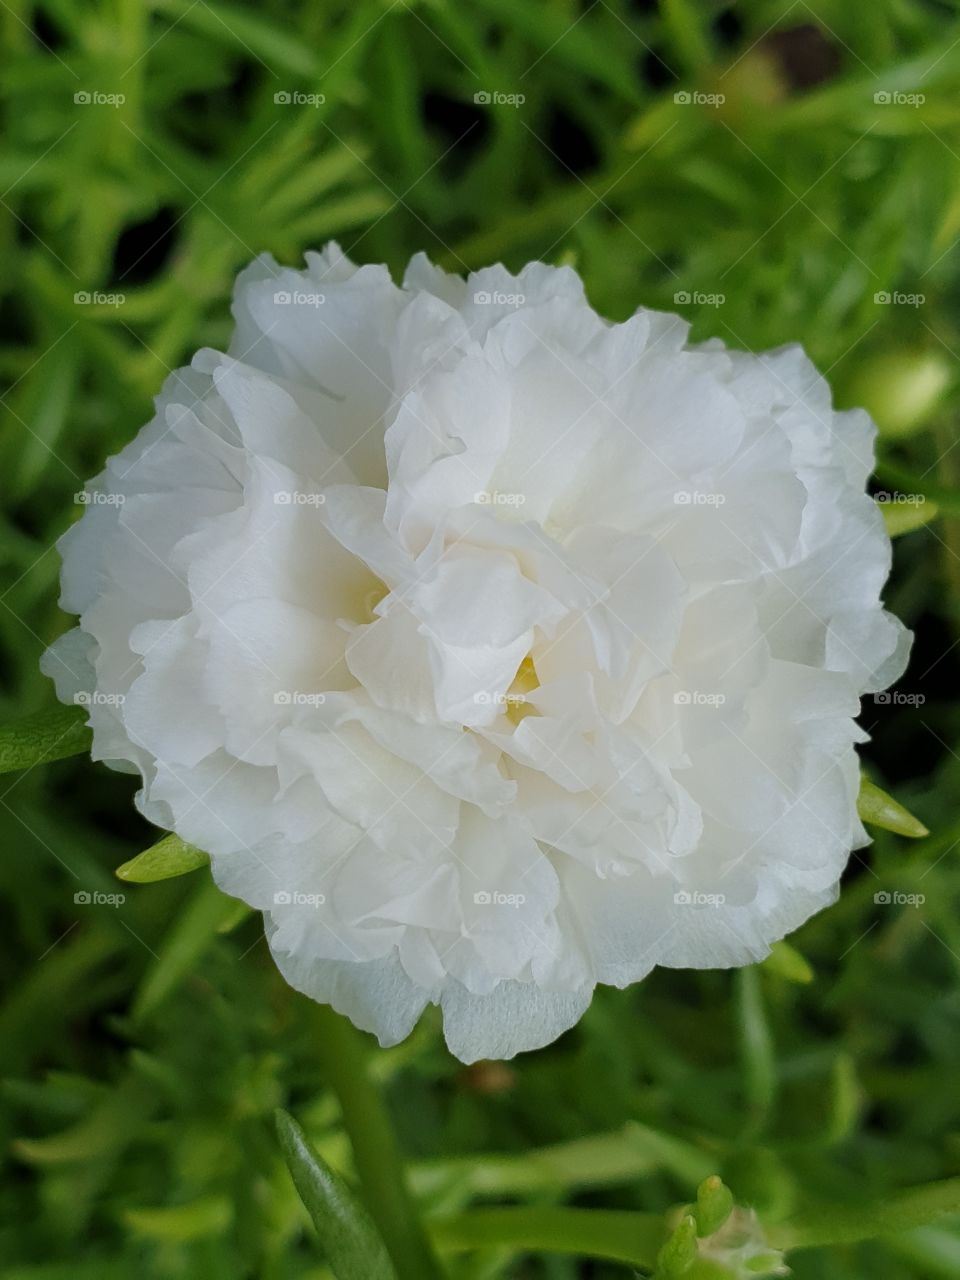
(774, 171)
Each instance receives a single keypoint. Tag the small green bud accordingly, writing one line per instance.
(680, 1250)
(714, 1205)
(900, 389)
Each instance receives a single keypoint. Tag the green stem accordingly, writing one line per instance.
(377, 1157)
(829, 1224)
(757, 1051)
(617, 1234)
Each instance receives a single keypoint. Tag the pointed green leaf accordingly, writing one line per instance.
(904, 517)
(787, 962)
(351, 1242)
(881, 810)
(167, 858)
(208, 1216)
(235, 917)
(832, 1223)
(48, 735)
(262, 39)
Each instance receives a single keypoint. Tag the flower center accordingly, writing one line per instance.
(524, 682)
(371, 599)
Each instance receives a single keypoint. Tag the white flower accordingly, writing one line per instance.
(490, 649)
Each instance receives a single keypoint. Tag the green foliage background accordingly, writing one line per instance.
(143, 1046)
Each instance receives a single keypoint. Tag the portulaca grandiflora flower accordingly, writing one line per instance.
(491, 650)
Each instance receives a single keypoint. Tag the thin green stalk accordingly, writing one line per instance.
(617, 1234)
(376, 1153)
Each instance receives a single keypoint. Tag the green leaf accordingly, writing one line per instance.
(109, 1127)
(266, 42)
(787, 963)
(195, 928)
(208, 1216)
(169, 857)
(48, 735)
(881, 810)
(830, 1223)
(902, 481)
(351, 1242)
(903, 517)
